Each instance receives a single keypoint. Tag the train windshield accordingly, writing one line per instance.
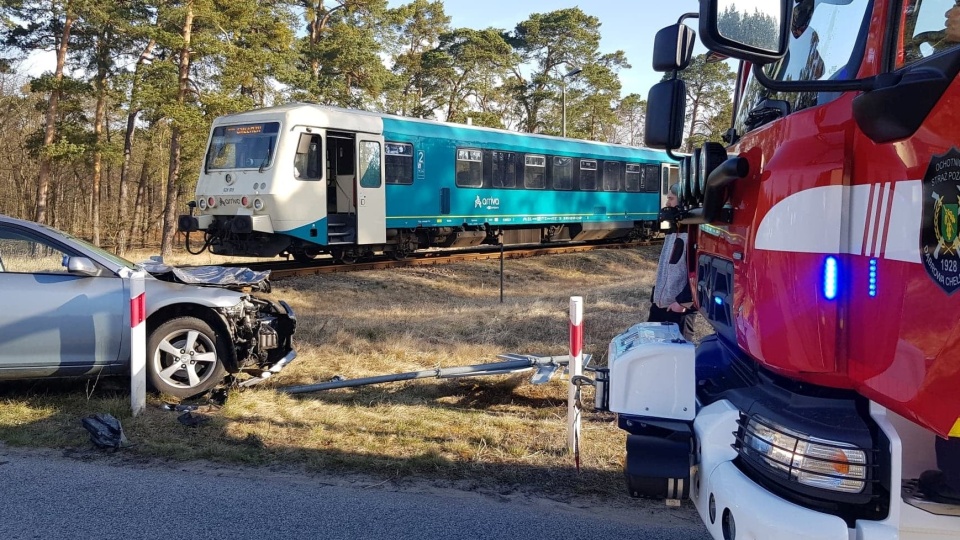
(242, 146)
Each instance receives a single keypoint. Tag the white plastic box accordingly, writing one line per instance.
(652, 372)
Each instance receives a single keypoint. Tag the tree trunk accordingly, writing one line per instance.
(173, 175)
(98, 122)
(139, 205)
(122, 216)
(50, 127)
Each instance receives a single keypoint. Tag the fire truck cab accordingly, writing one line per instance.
(824, 251)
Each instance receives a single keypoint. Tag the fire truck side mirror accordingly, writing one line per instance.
(673, 48)
(666, 105)
(745, 29)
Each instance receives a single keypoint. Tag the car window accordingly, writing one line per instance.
(23, 254)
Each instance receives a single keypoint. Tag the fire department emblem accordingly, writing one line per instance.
(939, 236)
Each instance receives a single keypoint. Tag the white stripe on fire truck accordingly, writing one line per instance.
(882, 220)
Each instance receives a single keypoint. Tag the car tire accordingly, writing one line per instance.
(184, 357)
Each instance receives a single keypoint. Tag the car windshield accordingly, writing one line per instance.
(115, 259)
(825, 44)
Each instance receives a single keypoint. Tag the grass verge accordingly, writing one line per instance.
(499, 433)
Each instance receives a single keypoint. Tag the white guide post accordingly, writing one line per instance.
(575, 368)
(138, 343)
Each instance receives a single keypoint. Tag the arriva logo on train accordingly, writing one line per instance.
(491, 203)
(226, 201)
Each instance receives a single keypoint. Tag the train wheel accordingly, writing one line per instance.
(344, 256)
(305, 255)
(401, 253)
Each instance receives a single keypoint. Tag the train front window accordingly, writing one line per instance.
(469, 167)
(399, 163)
(243, 146)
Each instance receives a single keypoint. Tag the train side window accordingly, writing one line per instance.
(534, 171)
(469, 167)
(588, 174)
(611, 176)
(399, 163)
(504, 170)
(631, 178)
(562, 175)
(369, 164)
(650, 181)
(306, 162)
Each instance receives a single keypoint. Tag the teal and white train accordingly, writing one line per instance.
(305, 179)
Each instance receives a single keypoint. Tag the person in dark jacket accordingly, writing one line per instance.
(672, 299)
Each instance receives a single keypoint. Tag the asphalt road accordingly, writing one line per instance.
(46, 496)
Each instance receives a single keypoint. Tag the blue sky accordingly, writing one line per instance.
(627, 25)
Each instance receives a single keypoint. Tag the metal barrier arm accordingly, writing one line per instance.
(515, 362)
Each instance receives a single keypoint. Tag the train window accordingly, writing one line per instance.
(562, 174)
(399, 163)
(242, 146)
(306, 162)
(369, 164)
(631, 178)
(469, 167)
(588, 174)
(650, 181)
(534, 171)
(611, 176)
(504, 170)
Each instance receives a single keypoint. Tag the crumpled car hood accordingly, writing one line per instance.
(228, 277)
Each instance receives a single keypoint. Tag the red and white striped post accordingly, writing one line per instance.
(575, 368)
(138, 343)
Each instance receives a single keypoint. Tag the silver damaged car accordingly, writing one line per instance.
(65, 312)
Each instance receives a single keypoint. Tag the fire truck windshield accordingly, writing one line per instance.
(826, 43)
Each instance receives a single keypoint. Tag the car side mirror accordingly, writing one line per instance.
(746, 30)
(82, 266)
(673, 48)
(666, 107)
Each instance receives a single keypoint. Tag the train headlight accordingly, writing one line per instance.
(202, 203)
(806, 460)
(245, 201)
(212, 202)
(258, 204)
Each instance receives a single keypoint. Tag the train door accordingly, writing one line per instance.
(371, 194)
(341, 167)
(670, 174)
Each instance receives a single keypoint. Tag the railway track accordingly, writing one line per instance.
(286, 269)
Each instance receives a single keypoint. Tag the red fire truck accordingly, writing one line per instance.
(823, 247)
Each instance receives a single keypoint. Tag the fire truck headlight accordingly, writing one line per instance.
(810, 461)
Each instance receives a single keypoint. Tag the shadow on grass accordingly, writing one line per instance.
(47, 414)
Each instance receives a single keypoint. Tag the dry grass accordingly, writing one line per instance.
(489, 432)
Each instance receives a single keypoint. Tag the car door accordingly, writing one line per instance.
(54, 322)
